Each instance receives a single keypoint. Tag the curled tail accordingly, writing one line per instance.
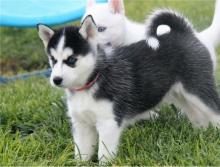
(212, 33)
(160, 20)
(163, 22)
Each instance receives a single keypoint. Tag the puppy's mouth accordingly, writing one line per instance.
(59, 86)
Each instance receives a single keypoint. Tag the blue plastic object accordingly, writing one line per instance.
(28, 13)
(43, 73)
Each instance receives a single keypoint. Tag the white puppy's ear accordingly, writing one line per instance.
(117, 6)
(45, 33)
(90, 3)
(88, 28)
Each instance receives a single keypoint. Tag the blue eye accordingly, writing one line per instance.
(70, 61)
(101, 29)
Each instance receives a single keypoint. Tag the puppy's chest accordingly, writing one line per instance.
(83, 106)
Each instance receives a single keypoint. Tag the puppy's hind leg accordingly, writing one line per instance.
(200, 110)
(109, 136)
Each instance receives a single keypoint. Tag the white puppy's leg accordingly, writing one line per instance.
(109, 136)
(85, 137)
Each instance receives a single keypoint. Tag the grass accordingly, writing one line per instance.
(34, 128)
(35, 131)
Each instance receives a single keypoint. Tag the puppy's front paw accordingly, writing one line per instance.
(105, 159)
(82, 157)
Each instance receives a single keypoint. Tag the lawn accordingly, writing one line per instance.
(34, 128)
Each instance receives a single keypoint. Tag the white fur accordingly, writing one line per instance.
(153, 43)
(60, 46)
(85, 138)
(89, 114)
(210, 37)
(110, 34)
(163, 29)
(115, 35)
(122, 31)
(45, 33)
(212, 33)
(134, 32)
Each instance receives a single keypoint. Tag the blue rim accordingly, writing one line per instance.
(17, 14)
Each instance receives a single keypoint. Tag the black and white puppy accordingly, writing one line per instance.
(106, 90)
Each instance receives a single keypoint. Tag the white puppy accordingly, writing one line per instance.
(116, 29)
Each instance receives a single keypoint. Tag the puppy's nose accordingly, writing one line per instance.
(57, 80)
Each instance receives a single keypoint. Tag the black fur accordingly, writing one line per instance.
(136, 77)
(72, 39)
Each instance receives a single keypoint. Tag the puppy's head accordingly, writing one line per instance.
(71, 52)
(110, 20)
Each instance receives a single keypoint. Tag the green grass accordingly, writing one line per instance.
(34, 128)
(35, 131)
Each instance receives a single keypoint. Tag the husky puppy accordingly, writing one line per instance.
(105, 91)
(115, 29)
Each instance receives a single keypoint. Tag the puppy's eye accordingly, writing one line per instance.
(70, 61)
(54, 61)
(101, 29)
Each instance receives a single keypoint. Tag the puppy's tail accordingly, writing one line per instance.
(166, 21)
(212, 33)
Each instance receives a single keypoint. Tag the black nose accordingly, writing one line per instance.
(57, 80)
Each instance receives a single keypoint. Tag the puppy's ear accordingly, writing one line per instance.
(90, 3)
(45, 33)
(88, 28)
(116, 6)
